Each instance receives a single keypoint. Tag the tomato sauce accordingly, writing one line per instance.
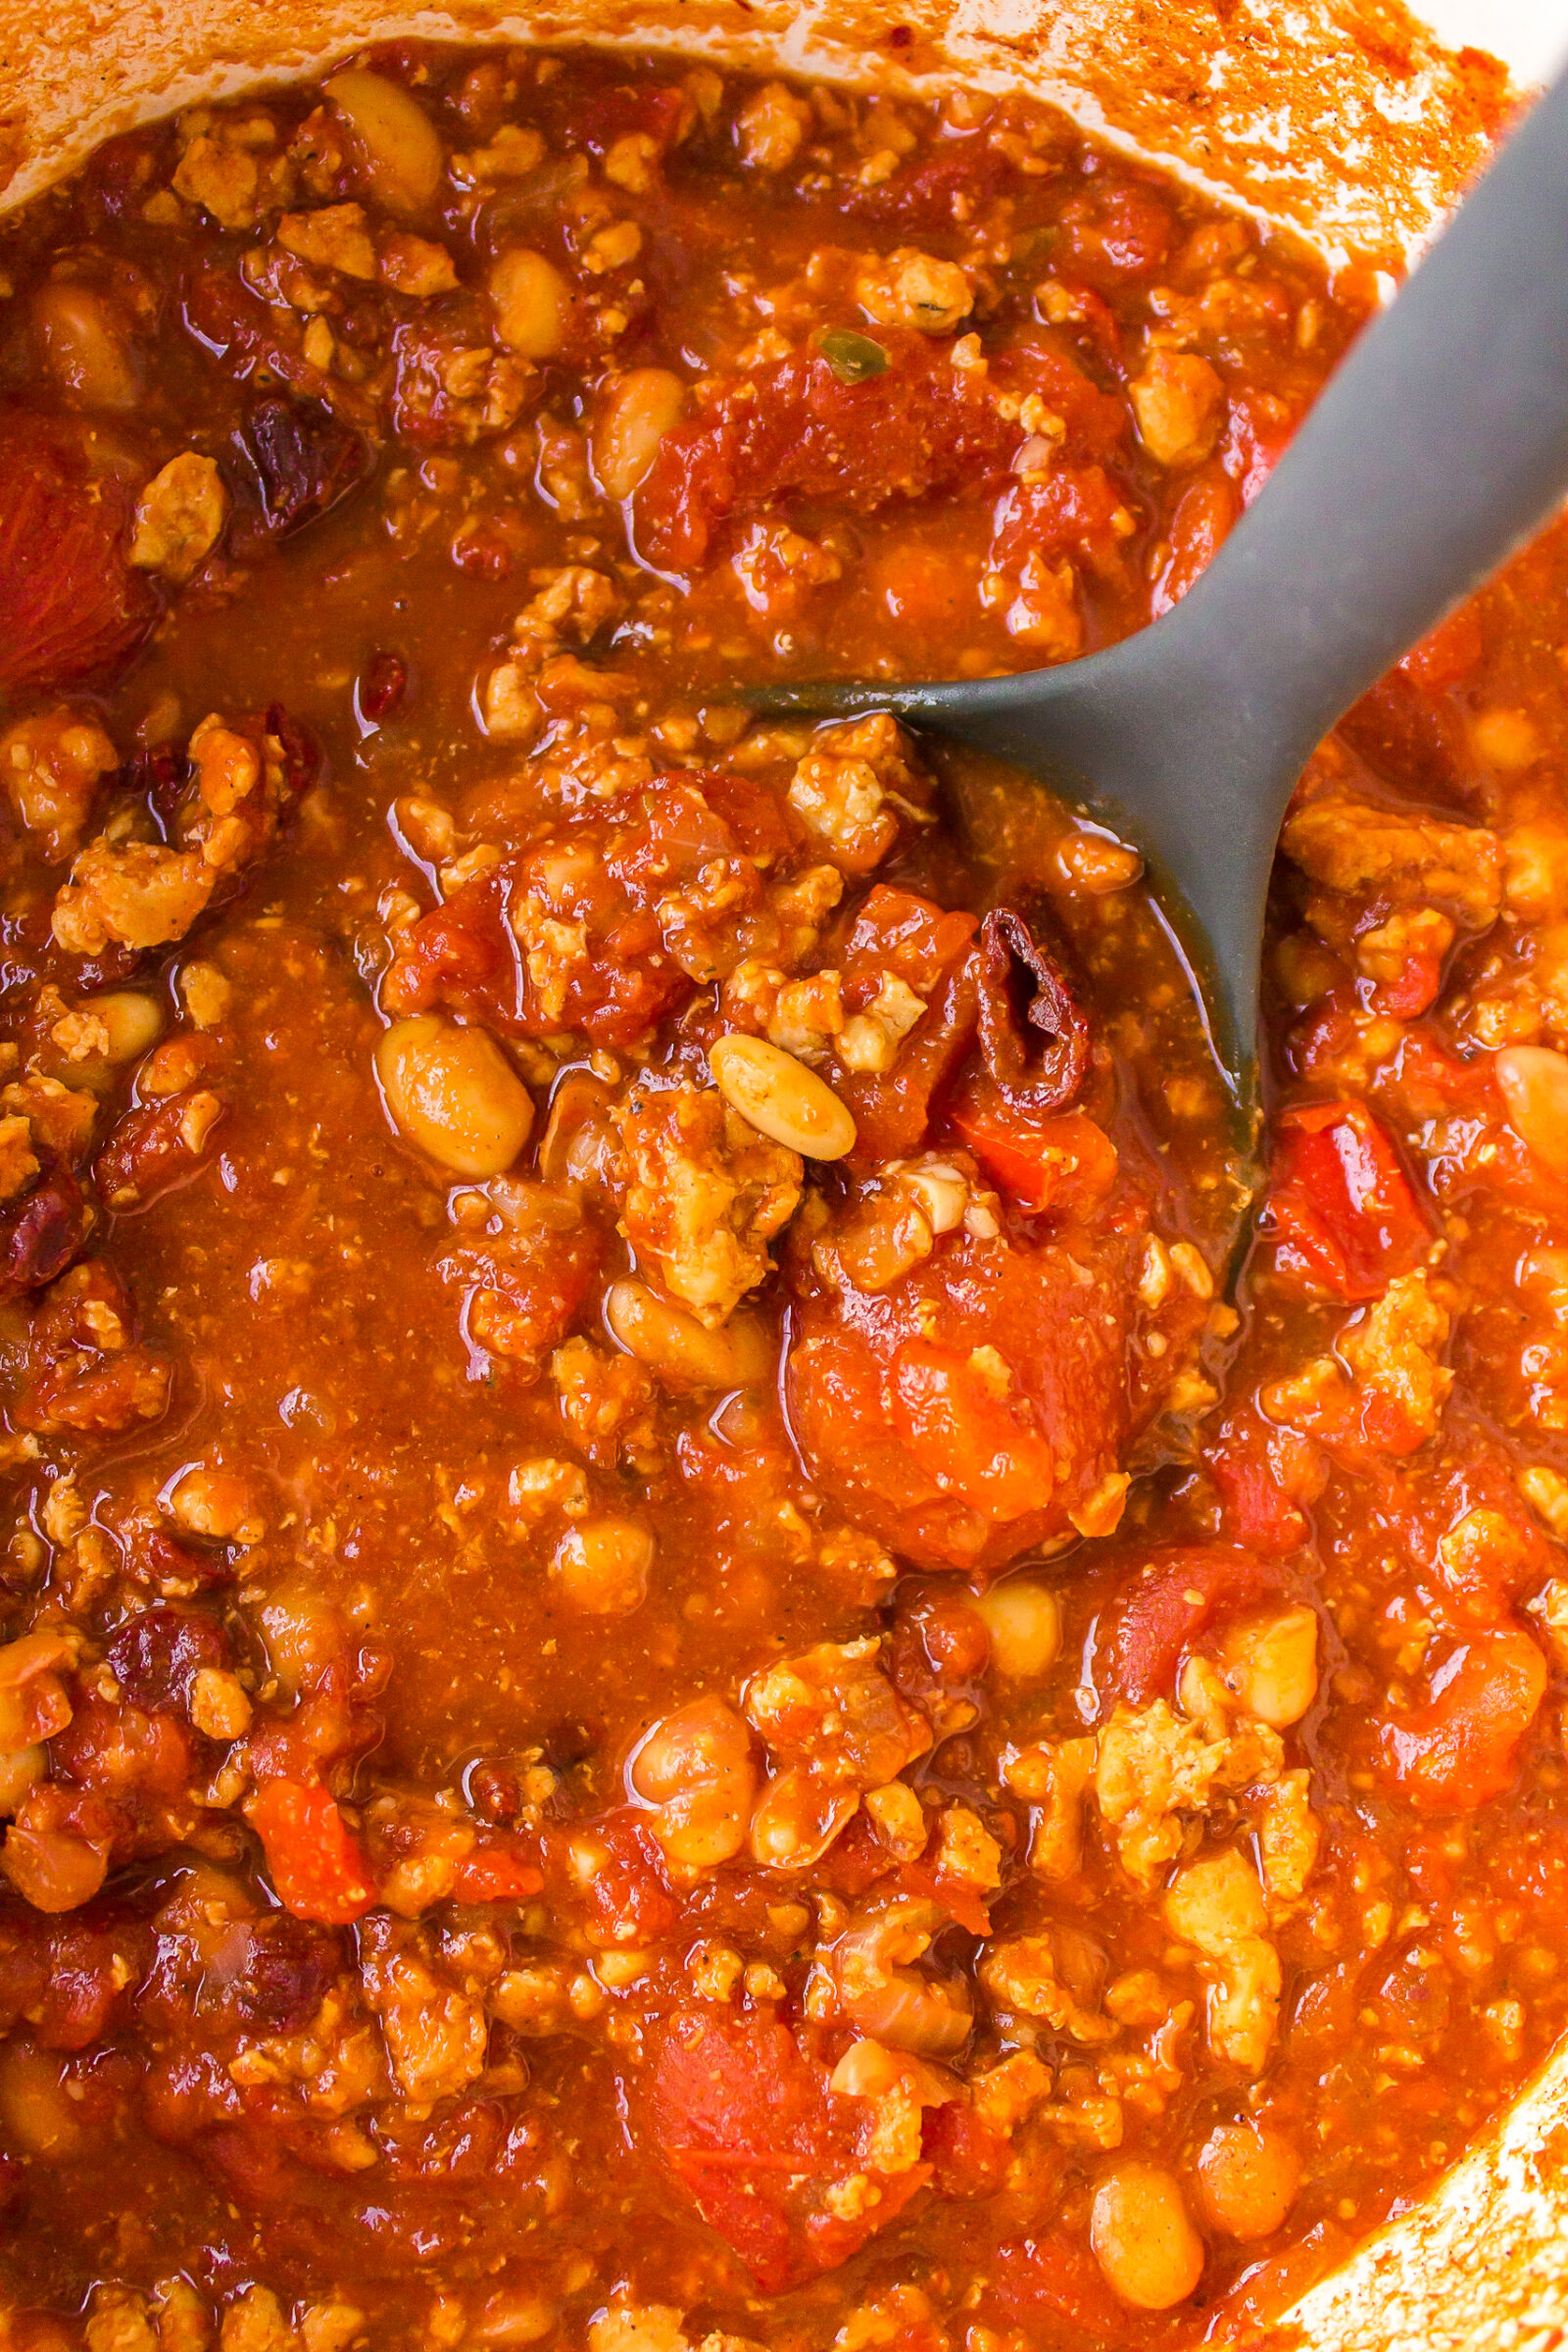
(677, 1668)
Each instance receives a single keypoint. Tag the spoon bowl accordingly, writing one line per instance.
(1439, 445)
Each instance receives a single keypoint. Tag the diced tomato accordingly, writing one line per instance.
(457, 955)
(312, 1858)
(525, 1293)
(606, 874)
(1346, 1217)
(960, 1901)
(931, 194)
(892, 1113)
(1252, 2308)
(795, 429)
(70, 605)
(745, 2120)
(1067, 1165)
(1265, 1476)
(497, 1875)
(1038, 2283)
(856, 1860)
(1413, 991)
(1070, 511)
(143, 1760)
(1458, 1750)
(952, 1460)
(1255, 440)
(1090, 313)
(603, 115)
(968, 2157)
(1463, 1524)
(67, 1976)
(1120, 230)
(628, 1896)
(898, 931)
(763, 825)
(1096, 421)
(988, 1450)
(1165, 1609)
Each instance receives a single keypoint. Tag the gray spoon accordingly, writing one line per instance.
(1439, 443)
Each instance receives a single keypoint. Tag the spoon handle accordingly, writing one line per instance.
(1439, 443)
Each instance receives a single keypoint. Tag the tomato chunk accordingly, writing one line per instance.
(1070, 511)
(312, 1858)
(1041, 2282)
(497, 1875)
(794, 430)
(968, 2157)
(1117, 231)
(1340, 1205)
(982, 1446)
(1204, 515)
(967, 1411)
(745, 2120)
(1458, 1750)
(70, 607)
(1265, 1476)
(1177, 1595)
(1067, 1165)
(898, 931)
(582, 929)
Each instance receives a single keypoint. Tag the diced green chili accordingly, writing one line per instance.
(852, 358)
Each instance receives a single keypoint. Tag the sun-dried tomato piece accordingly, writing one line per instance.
(70, 605)
(381, 687)
(303, 460)
(1034, 1034)
(87, 1372)
(40, 1235)
(301, 753)
(157, 1656)
(157, 1146)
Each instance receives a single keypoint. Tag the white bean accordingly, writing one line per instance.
(739, 1354)
(1142, 2237)
(453, 1091)
(1535, 1087)
(602, 1566)
(780, 1096)
(636, 412)
(1024, 1621)
(532, 303)
(399, 148)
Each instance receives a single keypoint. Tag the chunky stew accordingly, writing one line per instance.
(678, 1670)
